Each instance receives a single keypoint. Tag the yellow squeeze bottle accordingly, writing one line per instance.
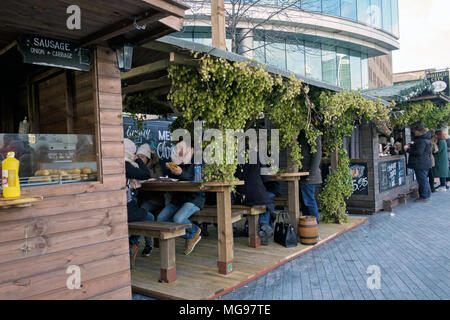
(10, 177)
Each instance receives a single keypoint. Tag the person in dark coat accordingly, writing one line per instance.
(420, 160)
(310, 163)
(254, 193)
(184, 204)
(135, 171)
(441, 169)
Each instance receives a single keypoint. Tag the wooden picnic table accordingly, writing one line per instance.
(224, 224)
(293, 200)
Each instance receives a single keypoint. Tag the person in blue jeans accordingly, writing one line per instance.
(310, 163)
(184, 204)
(420, 160)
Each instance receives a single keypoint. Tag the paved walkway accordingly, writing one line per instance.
(411, 248)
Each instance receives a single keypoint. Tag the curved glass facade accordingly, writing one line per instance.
(335, 65)
(381, 14)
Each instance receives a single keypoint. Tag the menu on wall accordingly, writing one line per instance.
(392, 174)
(359, 174)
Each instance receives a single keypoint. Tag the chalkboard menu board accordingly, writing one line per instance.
(392, 174)
(360, 180)
(154, 132)
(359, 174)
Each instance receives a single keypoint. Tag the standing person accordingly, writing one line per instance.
(448, 155)
(420, 160)
(135, 170)
(311, 164)
(434, 149)
(441, 170)
(152, 201)
(184, 204)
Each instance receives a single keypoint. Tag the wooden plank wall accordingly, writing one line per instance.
(83, 224)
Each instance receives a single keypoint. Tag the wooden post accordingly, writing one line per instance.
(168, 271)
(253, 226)
(293, 193)
(69, 101)
(218, 24)
(225, 232)
(334, 159)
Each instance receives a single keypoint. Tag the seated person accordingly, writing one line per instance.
(254, 193)
(135, 170)
(150, 201)
(184, 204)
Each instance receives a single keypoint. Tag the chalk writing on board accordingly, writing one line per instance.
(391, 174)
(360, 181)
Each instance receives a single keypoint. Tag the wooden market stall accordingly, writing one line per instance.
(378, 163)
(67, 83)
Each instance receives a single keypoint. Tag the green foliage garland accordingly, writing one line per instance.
(290, 111)
(337, 189)
(426, 112)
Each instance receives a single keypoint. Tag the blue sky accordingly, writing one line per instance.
(424, 35)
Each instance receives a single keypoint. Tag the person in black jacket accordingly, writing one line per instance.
(135, 171)
(184, 204)
(420, 160)
(254, 193)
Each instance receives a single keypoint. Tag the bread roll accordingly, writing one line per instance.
(38, 173)
(86, 170)
(45, 173)
(74, 171)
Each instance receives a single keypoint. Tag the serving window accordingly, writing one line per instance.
(57, 143)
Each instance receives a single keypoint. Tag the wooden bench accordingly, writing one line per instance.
(252, 214)
(281, 201)
(166, 232)
(401, 198)
(209, 214)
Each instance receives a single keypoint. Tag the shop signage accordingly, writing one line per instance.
(55, 53)
(154, 132)
(392, 174)
(440, 82)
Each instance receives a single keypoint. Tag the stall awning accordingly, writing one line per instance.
(138, 21)
(403, 92)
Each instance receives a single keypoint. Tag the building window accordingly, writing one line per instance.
(313, 67)
(395, 27)
(310, 5)
(387, 16)
(375, 13)
(329, 72)
(332, 7)
(348, 9)
(275, 54)
(295, 56)
(343, 63)
(355, 69)
(363, 11)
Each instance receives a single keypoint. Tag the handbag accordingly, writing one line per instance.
(284, 233)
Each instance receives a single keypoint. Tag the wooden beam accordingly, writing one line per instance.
(8, 47)
(158, 46)
(70, 100)
(146, 85)
(172, 22)
(218, 24)
(170, 7)
(178, 58)
(122, 27)
(145, 69)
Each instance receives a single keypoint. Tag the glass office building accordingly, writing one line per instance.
(336, 52)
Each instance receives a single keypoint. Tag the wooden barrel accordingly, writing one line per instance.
(308, 230)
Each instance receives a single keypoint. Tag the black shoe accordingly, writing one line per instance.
(147, 251)
(204, 228)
